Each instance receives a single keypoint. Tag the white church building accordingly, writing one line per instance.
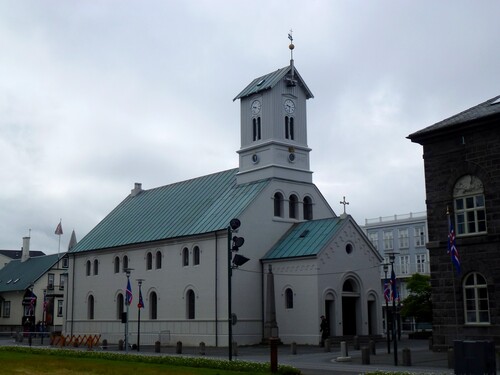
(175, 240)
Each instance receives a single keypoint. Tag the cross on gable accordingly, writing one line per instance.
(344, 203)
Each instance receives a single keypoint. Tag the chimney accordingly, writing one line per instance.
(26, 249)
(136, 190)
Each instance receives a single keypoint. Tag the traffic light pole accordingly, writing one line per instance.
(229, 310)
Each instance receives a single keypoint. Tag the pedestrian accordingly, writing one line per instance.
(324, 329)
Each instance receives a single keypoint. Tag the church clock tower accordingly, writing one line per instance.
(274, 127)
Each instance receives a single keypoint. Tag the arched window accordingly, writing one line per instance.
(278, 204)
(470, 214)
(117, 264)
(185, 257)
(90, 307)
(125, 263)
(88, 267)
(289, 298)
(308, 208)
(119, 306)
(149, 261)
(256, 128)
(158, 260)
(96, 267)
(196, 255)
(476, 299)
(153, 306)
(190, 307)
(293, 202)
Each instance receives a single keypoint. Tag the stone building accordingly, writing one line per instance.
(462, 176)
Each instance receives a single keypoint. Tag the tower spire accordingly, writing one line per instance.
(291, 47)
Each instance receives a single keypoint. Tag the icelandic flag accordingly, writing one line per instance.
(140, 305)
(452, 248)
(59, 230)
(128, 298)
(387, 290)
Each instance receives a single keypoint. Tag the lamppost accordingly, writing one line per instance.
(386, 297)
(128, 300)
(392, 257)
(140, 305)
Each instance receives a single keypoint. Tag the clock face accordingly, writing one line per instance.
(289, 106)
(256, 105)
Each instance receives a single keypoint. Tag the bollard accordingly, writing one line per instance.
(327, 345)
(157, 346)
(235, 348)
(178, 348)
(406, 357)
(343, 349)
(293, 348)
(365, 355)
(372, 346)
(104, 344)
(202, 348)
(356, 343)
(451, 358)
(120, 344)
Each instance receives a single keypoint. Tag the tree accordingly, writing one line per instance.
(418, 304)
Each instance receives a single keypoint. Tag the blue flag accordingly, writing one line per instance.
(128, 298)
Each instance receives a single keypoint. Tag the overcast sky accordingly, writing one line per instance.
(98, 95)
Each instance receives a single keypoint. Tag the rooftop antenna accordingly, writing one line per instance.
(291, 47)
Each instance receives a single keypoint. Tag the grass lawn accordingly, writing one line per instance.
(15, 360)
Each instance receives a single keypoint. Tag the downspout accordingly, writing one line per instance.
(216, 294)
(73, 296)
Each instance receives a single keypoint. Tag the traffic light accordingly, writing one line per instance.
(236, 243)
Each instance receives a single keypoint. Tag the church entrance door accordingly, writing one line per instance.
(349, 315)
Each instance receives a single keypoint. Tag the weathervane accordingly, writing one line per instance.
(291, 79)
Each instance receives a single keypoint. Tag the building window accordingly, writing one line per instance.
(90, 307)
(196, 255)
(388, 240)
(289, 128)
(6, 309)
(119, 306)
(60, 307)
(62, 281)
(293, 206)
(419, 235)
(125, 263)
(50, 281)
(256, 128)
(158, 260)
(308, 208)
(65, 262)
(373, 236)
(153, 306)
(117, 264)
(96, 267)
(185, 257)
(87, 268)
(476, 299)
(403, 238)
(149, 261)
(278, 205)
(470, 214)
(421, 260)
(288, 298)
(190, 304)
(404, 264)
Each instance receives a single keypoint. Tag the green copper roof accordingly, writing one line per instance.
(201, 205)
(305, 239)
(270, 80)
(18, 276)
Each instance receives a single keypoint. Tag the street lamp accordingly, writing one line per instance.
(392, 257)
(386, 297)
(128, 299)
(140, 305)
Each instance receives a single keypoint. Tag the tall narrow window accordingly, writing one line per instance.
(287, 127)
(190, 297)
(388, 240)
(419, 235)
(158, 260)
(62, 281)
(289, 298)
(50, 281)
(96, 267)
(293, 206)
(149, 261)
(90, 307)
(117, 264)
(477, 309)
(87, 268)
(196, 255)
(278, 204)
(60, 307)
(153, 306)
(6, 309)
(404, 264)
(119, 306)
(256, 127)
(403, 238)
(421, 263)
(470, 214)
(308, 208)
(125, 263)
(373, 236)
(292, 129)
(185, 257)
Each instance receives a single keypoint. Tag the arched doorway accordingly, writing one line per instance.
(350, 307)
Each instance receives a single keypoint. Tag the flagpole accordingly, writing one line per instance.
(452, 272)
(139, 307)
